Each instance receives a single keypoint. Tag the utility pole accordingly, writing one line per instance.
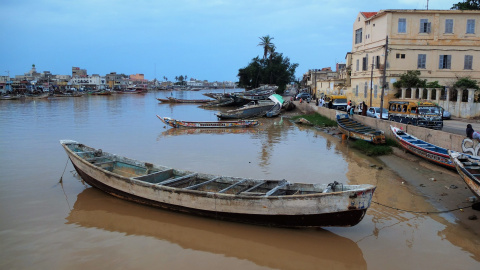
(371, 81)
(384, 77)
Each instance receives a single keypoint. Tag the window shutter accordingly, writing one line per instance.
(449, 61)
(440, 62)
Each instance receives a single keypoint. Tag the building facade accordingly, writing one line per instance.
(443, 45)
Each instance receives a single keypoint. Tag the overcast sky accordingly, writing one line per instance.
(203, 39)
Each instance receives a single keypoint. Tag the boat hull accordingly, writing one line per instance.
(469, 175)
(346, 208)
(205, 124)
(414, 146)
(358, 131)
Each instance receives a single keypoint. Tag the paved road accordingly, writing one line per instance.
(458, 125)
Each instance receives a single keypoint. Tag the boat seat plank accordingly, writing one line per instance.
(253, 187)
(102, 163)
(232, 186)
(476, 175)
(472, 167)
(275, 189)
(171, 181)
(202, 184)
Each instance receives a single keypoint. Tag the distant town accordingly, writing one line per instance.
(79, 80)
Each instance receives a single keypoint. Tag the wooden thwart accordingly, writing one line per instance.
(232, 186)
(204, 183)
(170, 181)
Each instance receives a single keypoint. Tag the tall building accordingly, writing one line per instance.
(443, 45)
(79, 73)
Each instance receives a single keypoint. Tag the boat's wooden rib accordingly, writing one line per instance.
(470, 173)
(203, 183)
(428, 151)
(176, 180)
(356, 130)
(256, 201)
(259, 184)
(275, 189)
(232, 186)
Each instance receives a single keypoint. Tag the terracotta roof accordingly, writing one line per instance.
(369, 14)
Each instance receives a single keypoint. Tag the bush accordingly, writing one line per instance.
(317, 120)
(371, 149)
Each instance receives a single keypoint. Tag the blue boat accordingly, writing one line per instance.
(428, 151)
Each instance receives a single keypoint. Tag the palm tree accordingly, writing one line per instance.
(267, 44)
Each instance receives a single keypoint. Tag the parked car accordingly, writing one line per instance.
(304, 96)
(446, 114)
(375, 112)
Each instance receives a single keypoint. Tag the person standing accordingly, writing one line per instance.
(364, 109)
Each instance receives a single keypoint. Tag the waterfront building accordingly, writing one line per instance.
(94, 82)
(443, 45)
(77, 72)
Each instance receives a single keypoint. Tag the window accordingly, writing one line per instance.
(365, 89)
(356, 91)
(358, 64)
(402, 56)
(424, 26)
(422, 61)
(375, 89)
(471, 26)
(377, 62)
(468, 62)
(365, 63)
(358, 36)
(402, 25)
(448, 26)
(445, 62)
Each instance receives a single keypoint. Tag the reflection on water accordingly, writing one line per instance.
(270, 247)
(34, 208)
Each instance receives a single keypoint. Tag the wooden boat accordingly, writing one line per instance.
(252, 109)
(265, 202)
(423, 149)
(208, 124)
(9, 97)
(469, 169)
(357, 130)
(177, 100)
(277, 108)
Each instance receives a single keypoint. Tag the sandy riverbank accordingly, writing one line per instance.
(441, 187)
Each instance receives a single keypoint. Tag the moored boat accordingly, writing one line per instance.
(207, 124)
(264, 202)
(357, 130)
(469, 169)
(423, 149)
(253, 109)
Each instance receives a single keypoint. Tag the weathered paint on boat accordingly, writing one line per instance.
(208, 124)
(468, 167)
(147, 184)
(356, 130)
(423, 149)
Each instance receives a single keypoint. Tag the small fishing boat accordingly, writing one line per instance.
(253, 109)
(357, 130)
(207, 124)
(263, 202)
(9, 97)
(469, 169)
(423, 149)
(277, 108)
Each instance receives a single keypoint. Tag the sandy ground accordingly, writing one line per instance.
(442, 187)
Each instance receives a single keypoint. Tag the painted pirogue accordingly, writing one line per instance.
(357, 130)
(208, 124)
(264, 202)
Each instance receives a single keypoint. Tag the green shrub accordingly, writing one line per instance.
(371, 149)
(317, 120)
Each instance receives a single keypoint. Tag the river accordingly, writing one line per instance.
(45, 224)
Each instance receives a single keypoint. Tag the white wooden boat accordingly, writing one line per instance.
(265, 202)
(469, 169)
(208, 124)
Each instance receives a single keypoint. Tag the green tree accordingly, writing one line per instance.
(410, 79)
(464, 83)
(467, 5)
(267, 44)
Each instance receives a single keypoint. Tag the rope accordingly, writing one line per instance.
(421, 212)
(61, 177)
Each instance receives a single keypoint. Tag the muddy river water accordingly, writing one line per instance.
(48, 225)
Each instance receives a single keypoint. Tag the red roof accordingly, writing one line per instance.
(369, 14)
